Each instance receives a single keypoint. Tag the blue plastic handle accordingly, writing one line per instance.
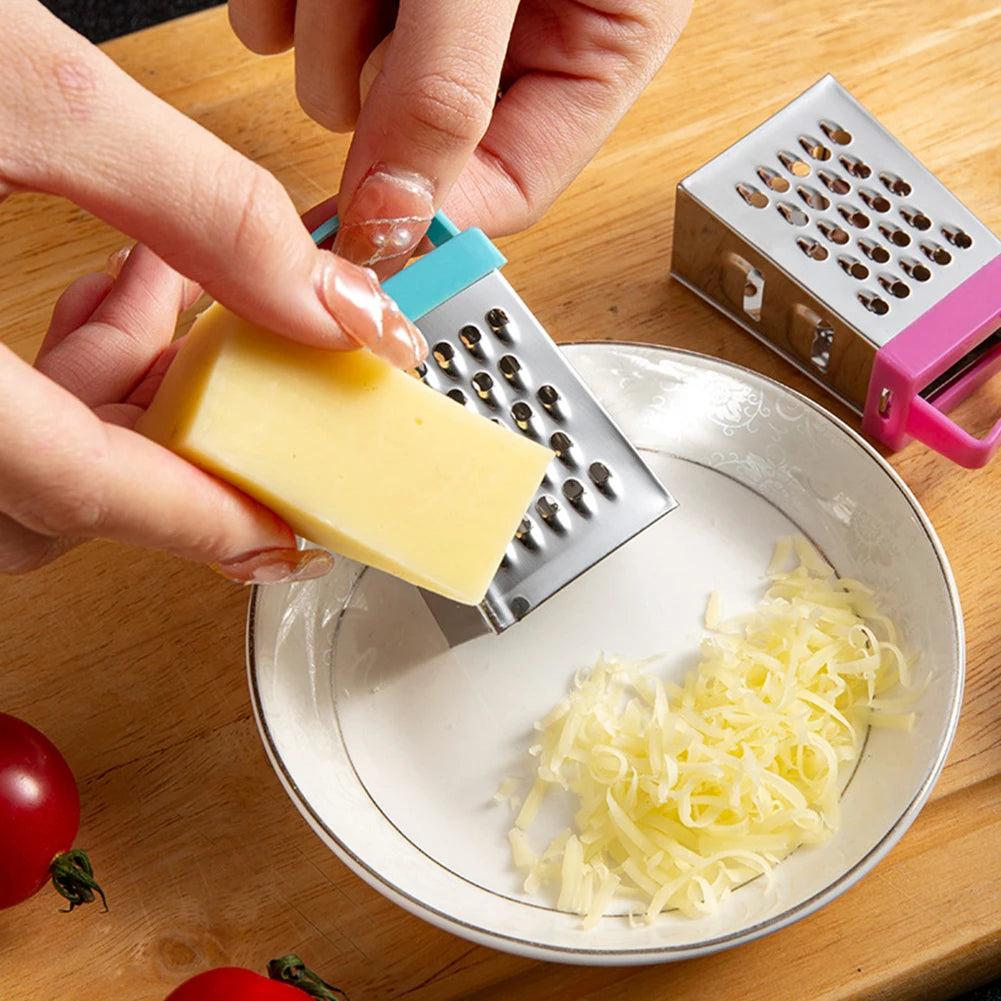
(458, 260)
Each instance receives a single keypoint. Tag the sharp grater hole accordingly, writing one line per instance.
(895, 286)
(834, 182)
(755, 198)
(814, 198)
(957, 237)
(833, 232)
(457, 394)
(876, 201)
(874, 303)
(773, 179)
(935, 252)
(793, 214)
(854, 216)
(794, 164)
(915, 269)
(856, 167)
(815, 148)
(895, 184)
(874, 251)
(444, 356)
(813, 249)
(853, 266)
(836, 133)
(894, 234)
(916, 218)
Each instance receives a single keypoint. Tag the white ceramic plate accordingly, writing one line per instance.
(393, 745)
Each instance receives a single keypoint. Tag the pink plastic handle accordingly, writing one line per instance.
(895, 412)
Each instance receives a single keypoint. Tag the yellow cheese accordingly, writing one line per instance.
(357, 456)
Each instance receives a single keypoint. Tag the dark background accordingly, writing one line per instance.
(100, 20)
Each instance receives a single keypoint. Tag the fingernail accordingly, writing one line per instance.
(367, 315)
(386, 219)
(277, 566)
(116, 261)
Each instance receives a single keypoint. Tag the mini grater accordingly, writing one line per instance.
(824, 237)
(489, 353)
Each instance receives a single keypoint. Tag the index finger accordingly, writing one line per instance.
(423, 116)
(78, 126)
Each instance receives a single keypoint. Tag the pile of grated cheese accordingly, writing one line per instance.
(683, 793)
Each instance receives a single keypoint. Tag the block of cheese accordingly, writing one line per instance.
(357, 456)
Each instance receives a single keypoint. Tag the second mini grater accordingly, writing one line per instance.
(489, 353)
(821, 235)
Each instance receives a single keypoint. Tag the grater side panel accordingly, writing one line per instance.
(598, 492)
(718, 263)
(823, 173)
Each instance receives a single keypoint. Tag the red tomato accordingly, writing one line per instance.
(39, 815)
(233, 983)
(288, 980)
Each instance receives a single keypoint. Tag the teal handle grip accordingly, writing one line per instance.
(459, 259)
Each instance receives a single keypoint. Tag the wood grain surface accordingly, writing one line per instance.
(132, 661)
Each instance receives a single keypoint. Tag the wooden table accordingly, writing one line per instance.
(132, 661)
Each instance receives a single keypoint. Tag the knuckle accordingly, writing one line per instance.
(77, 510)
(453, 106)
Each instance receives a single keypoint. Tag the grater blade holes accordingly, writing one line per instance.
(444, 356)
(894, 234)
(957, 237)
(874, 303)
(895, 286)
(814, 198)
(549, 397)
(854, 216)
(794, 164)
(483, 384)
(916, 218)
(457, 394)
(835, 132)
(755, 198)
(855, 167)
(523, 417)
(471, 337)
(548, 509)
(499, 322)
(510, 368)
(561, 444)
(601, 477)
(936, 253)
(793, 214)
(773, 179)
(853, 266)
(876, 201)
(895, 184)
(915, 269)
(834, 182)
(575, 493)
(874, 251)
(813, 249)
(814, 148)
(833, 232)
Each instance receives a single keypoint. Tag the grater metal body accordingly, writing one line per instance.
(490, 354)
(824, 237)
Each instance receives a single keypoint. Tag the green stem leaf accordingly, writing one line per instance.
(290, 969)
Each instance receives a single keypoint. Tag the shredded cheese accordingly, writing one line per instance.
(684, 792)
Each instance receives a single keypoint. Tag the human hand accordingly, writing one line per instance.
(75, 125)
(419, 83)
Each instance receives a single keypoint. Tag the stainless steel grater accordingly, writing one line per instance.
(821, 235)
(489, 353)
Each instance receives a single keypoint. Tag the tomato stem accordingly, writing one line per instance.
(290, 969)
(73, 878)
